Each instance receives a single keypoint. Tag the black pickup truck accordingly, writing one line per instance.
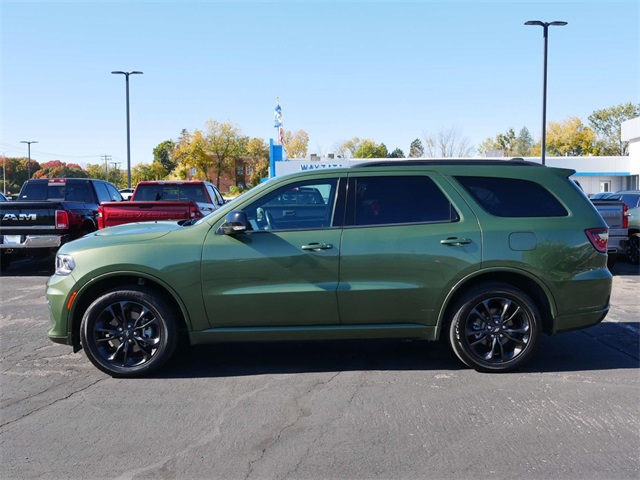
(50, 212)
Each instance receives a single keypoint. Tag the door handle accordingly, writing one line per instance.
(455, 241)
(317, 246)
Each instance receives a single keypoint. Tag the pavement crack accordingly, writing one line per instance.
(300, 414)
(52, 403)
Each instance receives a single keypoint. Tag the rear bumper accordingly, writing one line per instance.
(566, 323)
(617, 244)
(14, 242)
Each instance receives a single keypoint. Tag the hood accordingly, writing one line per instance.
(138, 231)
(122, 234)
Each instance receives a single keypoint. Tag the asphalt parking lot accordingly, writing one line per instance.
(344, 410)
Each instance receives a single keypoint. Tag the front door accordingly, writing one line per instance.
(284, 272)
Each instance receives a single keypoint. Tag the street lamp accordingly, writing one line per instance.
(545, 26)
(126, 75)
(29, 164)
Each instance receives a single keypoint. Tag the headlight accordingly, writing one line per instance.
(64, 264)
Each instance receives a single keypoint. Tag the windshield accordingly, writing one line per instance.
(155, 193)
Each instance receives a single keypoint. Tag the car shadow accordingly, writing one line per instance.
(31, 267)
(609, 346)
(625, 268)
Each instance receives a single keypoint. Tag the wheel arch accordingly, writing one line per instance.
(101, 285)
(531, 286)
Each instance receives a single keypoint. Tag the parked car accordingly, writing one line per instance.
(127, 193)
(162, 200)
(486, 254)
(48, 213)
(632, 199)
(3, 198)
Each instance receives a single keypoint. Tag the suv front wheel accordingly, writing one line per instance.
(495, 328)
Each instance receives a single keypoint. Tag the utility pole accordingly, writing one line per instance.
(106, 158)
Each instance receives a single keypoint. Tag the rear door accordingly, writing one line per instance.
(407, 240)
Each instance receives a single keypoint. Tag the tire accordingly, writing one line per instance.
(495, 328)
(633, 252)
(129, 333)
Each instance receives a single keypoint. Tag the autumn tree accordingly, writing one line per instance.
(447, 143)
(348, 148)
(257, 159)
(224, 143)
(570, 138)
(607, 124)
(191, 152)
(296, 144)
(59, 169)
(416, 149)
(16, 172)
(370, 149)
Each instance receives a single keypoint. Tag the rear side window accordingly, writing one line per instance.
(389, 200)
(510, 197)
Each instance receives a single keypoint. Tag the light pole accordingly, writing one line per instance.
(545, 26)
(126, 75)
(29, 149)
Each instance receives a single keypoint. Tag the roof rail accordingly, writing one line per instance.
(416, 163)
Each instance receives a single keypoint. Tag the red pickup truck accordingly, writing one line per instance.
(162, 200)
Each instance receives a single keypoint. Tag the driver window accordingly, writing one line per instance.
(302, 205)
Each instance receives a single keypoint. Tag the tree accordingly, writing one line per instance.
(296, 144)
(416, 150)
(163, 154)
(447, 143)
(524, 143)
(348, 148)
(570, 138)
(607, 123)
(257, 159)
(59, 169)
(370, 149)
(224, 142)
(397, 153)
(191, 152)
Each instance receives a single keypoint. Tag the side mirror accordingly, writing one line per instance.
(235, 223)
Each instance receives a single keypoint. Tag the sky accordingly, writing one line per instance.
(382, 70)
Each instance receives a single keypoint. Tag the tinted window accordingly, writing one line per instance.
(509, 197)
(76, 191)
(115, 195)
(397, 199)
(631, 200)
(155, 193)
(103, 193)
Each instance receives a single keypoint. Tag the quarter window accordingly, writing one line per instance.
(396, 200)
(511, 197)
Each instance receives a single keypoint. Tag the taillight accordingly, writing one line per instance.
(625, 216)
(62, 220)
(100, 217)
(599, 237)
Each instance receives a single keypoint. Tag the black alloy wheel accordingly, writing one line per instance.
(128, 333)
(495, 328)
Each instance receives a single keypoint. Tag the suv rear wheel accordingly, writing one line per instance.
(495, 328)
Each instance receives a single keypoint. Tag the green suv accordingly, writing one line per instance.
(487, 255)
